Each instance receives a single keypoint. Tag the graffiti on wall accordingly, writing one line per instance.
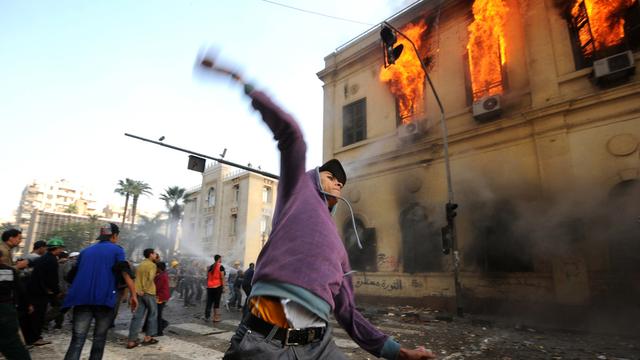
(391, 285)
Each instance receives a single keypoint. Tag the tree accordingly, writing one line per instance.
(124, 188)
(148, 234)
(71, 209)
(75, 235)
(138, 188)
(174, 199)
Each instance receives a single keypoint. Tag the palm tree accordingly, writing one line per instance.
(138, 188)
(124, 189)
(174, 199)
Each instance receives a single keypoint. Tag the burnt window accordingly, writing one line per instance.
(623, 227)
(498, 246)
(360, 259)
(354, 122)
(421, 241)
(600, 33)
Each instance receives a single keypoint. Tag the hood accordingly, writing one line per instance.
(314, 175)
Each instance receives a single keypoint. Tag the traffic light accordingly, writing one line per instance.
(391, 52)
(451, 212)
(447, 239)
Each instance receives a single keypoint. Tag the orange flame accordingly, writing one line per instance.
(486, 47)
(406, 77)
(605, 21)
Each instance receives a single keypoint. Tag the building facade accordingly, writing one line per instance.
(228, 214)
(543, 155)
(58, 197)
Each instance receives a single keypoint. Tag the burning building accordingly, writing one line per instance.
(541, 102)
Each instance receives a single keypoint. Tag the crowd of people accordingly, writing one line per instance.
(41, 287)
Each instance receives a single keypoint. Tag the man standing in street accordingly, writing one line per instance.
(10, 239)
(10, 343)
(246, 287)
(92, 293)
(215, 287)
(43, 288)
(146, 291)
(39, 249)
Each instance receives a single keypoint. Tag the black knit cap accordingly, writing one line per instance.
(333, 166)
(39, 244)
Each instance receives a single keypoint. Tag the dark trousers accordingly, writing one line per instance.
(259, 347)
(82, 316)
(24, 318)
(187, 291)
(37, 317)
(11, 345)
(213, 298)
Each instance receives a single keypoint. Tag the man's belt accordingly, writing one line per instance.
(286, 336)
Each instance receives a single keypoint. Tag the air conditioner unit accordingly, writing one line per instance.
(614, 68)
(487, 108)
(408, 131)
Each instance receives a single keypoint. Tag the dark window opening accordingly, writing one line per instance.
(354, 122)
(583, 41)
(421, 241)
(497, 246)
(361, 259)
(623, 225)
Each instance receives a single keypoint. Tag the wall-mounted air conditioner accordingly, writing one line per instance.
(614, 68)
(408, 131)
(487, 108)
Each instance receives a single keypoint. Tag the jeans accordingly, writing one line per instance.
(250, 345)
(10, 344)
(148, 303)
(82, 316)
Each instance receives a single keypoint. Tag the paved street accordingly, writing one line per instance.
(190, 337)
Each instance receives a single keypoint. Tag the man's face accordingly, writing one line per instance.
(154, 256)
(57, 251)
(330, 183)
(41, 250)
(14, 241)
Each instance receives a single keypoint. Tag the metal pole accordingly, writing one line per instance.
(445, 144)
(263, 173)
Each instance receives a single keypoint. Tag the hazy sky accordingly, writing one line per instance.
(76, 75)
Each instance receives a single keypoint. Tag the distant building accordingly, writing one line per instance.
(59, 197)
(229, 214)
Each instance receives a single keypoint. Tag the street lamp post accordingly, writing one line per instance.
(388, 36)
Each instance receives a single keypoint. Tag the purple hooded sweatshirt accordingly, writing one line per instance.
(304, 247)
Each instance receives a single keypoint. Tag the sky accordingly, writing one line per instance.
(76, 75)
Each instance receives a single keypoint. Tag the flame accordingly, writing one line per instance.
(406, 78)
(605, 21)
(486, 47)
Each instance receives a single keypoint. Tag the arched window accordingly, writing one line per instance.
(211, 197)
(421, 241)
(360, 259)
(622, 216)
(498, 244)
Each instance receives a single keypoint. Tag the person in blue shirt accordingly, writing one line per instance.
(92, 293)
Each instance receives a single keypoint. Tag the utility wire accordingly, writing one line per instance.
(317, 13)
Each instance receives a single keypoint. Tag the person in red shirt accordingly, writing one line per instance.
(162, 296)
(215, 287)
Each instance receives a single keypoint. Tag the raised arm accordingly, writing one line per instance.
(284, 128)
